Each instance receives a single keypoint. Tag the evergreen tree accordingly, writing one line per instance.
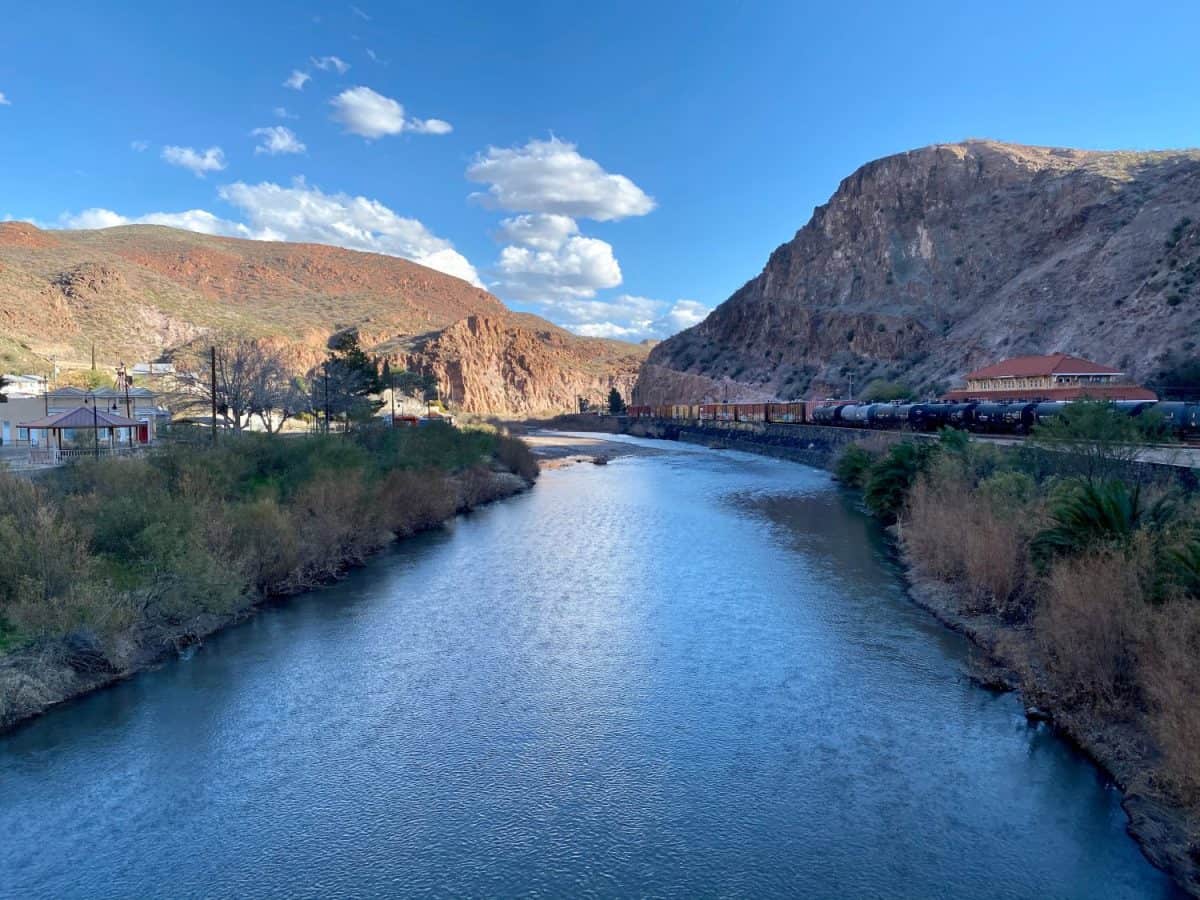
(616, 405)
(348, 381)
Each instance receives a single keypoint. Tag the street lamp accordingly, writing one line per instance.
(95, 425)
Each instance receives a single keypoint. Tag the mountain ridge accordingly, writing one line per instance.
(925, 264)
(139, 291)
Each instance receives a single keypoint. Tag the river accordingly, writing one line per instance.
(689, 673)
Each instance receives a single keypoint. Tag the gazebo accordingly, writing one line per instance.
(111, 435)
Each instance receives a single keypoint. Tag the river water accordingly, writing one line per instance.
(685, 674)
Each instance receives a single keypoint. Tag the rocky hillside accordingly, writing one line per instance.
(522, 364)
(925, 265)
(137, 292)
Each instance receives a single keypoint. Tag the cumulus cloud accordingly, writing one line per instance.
(4, 101)
(301, 212)
(326, 63)
(281, 112)
(632, 318)
(578, 267)
(190, 220)
(297, 80)
(198, 163)
(429, 126)
(552, 177)
(277, 139)
(547, 260)
(305, 213)
(362, 111)
(139, 146)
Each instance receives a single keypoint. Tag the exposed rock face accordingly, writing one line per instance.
(140, 291)
(486, 364)
(925, 265)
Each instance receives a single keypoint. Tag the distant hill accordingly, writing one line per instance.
(141, 290)
(930, 263)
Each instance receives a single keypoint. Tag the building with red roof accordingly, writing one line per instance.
(1054, 377)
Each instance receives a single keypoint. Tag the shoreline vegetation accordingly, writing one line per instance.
(1076, 572)
(112, 566)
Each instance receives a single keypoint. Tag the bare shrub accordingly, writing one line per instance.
(479, 485)
(269, 550)
(414, 501)
(996, 558)
(336, 523)
(1170, 674)
(932, 530)
(1089, 624)
(514, 454)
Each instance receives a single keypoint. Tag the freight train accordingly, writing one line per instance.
(980, 416)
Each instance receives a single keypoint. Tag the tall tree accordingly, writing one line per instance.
(349, 381)
(616, 405)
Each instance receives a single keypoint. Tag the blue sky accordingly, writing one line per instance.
(618, 169)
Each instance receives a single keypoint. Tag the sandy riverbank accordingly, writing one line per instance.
(556, 449)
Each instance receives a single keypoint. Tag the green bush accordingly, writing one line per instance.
(852, 466)
(891, 478)
(99, 547)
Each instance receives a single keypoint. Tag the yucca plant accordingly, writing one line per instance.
(1099, 514)
(1185, 563)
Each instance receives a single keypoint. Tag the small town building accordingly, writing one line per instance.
(82, 432)
(23, 385)
(1057, 376)
(139, 404)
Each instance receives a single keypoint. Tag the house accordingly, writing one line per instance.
(1057, 376)
(23, 385)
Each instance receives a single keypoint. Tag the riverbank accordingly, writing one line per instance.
(556, 449)
(1165, 832)
(1094, 640)
(118, 565)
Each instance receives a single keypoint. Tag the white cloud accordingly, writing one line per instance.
(4, 101)
(139, 146)
(325, 63)
(552, 177)
(297, 80)
(542, 231)
(429, 126)
(364, 112)
(358, 12)
(191, 220)
(375, 57)
(211, 160)
(304, 213)
(276, 140)
(280, 112)
(631, 318)
(576, 268)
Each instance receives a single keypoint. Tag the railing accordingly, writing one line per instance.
(54, 456)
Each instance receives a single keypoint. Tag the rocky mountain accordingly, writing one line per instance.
(927, 264)
(137, 292)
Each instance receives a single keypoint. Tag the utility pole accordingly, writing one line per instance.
(392, 378)
(325, 367)
(851, 397)
(212, 374)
